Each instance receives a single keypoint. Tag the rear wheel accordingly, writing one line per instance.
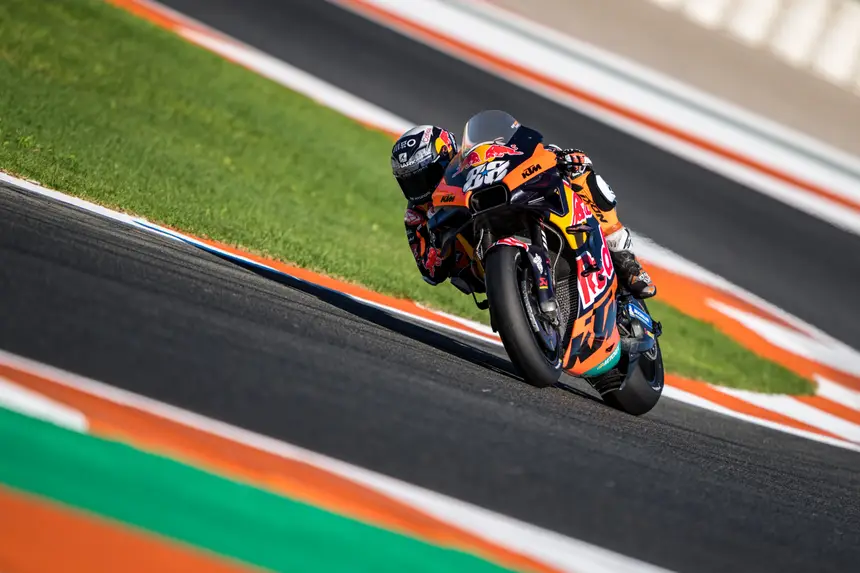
(531, 341)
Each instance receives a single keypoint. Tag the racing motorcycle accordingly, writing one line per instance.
(539, 251)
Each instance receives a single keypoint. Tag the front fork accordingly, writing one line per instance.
(538, 255)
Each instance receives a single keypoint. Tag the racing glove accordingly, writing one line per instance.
(422, 242)
(573, 162)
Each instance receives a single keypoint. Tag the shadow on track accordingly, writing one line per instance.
(399, 325)
(386, 319)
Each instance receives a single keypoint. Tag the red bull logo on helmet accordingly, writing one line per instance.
(444, 141)
(485, 153)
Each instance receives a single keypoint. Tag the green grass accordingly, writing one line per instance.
(102, 105)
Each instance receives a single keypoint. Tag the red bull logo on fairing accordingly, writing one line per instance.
(485, 153)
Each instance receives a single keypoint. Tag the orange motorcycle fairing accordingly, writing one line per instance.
(447, 195)
(540, 161)
(593, 337)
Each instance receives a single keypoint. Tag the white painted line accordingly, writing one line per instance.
(833, 354)
(698, 401)
(487, 339)
(788, 406)
(25, 401)
(838, 393)
(560, 551)
(38, 189)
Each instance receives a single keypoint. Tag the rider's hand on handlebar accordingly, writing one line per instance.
(572, 161)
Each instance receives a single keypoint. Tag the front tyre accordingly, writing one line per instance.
(509, 284)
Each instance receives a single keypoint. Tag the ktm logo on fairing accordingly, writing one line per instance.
(447, 199)
(529, 171)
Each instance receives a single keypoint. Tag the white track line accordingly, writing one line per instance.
(788, 406)
(24, 401)
(838, 393)
(694, 400)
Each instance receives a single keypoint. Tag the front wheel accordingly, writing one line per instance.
(528, 338)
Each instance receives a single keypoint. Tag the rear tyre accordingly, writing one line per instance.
(644, 386)
(508, 309)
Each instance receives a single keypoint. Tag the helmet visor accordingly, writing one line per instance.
(419, 185)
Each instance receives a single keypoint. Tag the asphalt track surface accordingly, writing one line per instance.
(791, 259)
(682, 488)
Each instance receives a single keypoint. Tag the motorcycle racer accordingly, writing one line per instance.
(419, 159)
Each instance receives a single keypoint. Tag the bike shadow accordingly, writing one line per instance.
(394, 323)
(386, 319)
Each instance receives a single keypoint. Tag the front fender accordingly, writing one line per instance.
(541, 267)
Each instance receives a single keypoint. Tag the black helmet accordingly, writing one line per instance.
(419, 159)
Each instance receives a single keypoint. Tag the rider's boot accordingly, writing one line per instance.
(630, 271)
(632, 275)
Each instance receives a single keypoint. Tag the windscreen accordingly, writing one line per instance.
(488, 127)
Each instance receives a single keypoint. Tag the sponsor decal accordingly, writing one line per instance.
(486, 174)
(428, 133)
(447, 198)
(433, 261)
(594, 284)
(640, 315)
(529, 171)
(419, 157)
(543, 283)
(581, 211)
(412, 218)
(445, 142)
(538, 263)
(592, 207)
(405, 143)
(512, 242)
(609, 362)
(484, 154)
(403, 157)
